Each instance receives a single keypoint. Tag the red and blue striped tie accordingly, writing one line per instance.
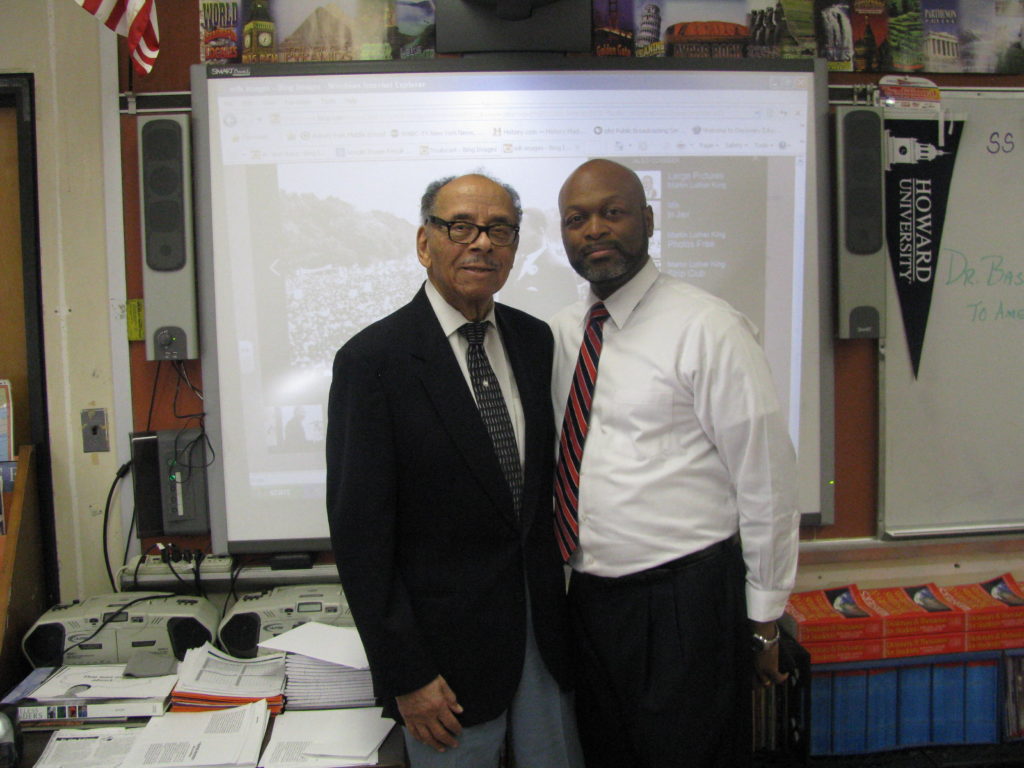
(574, 433)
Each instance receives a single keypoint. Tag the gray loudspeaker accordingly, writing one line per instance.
(168, 270)
(147, 477)
(861, 252)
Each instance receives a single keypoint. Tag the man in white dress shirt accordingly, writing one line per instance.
(683, 532)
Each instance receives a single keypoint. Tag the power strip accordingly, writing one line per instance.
(154, 565)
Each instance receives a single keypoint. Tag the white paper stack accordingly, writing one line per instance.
(87, 748)
(325, 667)
(224, 738)
(316, 684)
(326, 738)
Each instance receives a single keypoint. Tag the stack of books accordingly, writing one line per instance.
(209, 679)
(993, 612)
(325, 665)
(88, 695)
(847, 623)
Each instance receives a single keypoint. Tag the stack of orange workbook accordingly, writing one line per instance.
(993, 612)
(211, 679)
(847, 623)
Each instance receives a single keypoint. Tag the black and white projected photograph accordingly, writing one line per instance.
(313, 179)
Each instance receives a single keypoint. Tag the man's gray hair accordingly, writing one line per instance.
(429, 198)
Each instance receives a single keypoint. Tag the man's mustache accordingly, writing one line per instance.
(604, 245)
(480, 262)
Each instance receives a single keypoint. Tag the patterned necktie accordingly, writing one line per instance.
(574, 433)
(493, 410)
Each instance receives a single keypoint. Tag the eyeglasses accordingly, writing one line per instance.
(466, 232)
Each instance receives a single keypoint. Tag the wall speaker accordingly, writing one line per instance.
(146, 486)
(861, 252)
(168, 271)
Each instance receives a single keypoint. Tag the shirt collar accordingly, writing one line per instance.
(449, 317)
(620, 305)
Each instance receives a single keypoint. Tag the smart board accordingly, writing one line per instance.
(308, 187)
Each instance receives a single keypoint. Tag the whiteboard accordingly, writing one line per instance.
(952, 441)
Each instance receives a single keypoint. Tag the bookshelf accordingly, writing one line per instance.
(22, 582)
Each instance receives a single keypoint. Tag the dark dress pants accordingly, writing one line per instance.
(665, 664)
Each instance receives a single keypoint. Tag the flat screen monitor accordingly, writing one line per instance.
(309, 179)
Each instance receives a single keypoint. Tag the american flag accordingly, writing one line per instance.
(134, 19)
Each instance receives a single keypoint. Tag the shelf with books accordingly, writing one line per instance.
(22, 599)
(887, 704)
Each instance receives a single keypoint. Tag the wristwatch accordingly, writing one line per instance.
(760, 643)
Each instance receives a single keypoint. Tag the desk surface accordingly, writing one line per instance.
(390, 755)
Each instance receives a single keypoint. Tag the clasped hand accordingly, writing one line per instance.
(430, 714)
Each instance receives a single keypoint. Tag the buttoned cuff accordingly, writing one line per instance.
(765, 605)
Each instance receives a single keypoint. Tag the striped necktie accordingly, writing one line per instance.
(493, 409)
(574, 433)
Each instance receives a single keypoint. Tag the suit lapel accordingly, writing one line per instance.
(437, 369)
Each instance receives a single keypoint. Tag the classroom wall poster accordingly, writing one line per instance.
(318, 30)
(869, 24)
(861, 35)
(834, 34)
(920, 156)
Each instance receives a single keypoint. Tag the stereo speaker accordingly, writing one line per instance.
(110, 629)
(168, 270)
(240, 635)
(861, 251)
(44, 645)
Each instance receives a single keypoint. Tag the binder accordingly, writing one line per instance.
(882, 709)
(948, 702)
(981, 699)
(849, 715)
(915, 708)
(821, 713)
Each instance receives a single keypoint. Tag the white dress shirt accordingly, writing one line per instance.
(451, 320)
(686, 443)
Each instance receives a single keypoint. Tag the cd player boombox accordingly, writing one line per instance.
(108, 629)
(257, 616)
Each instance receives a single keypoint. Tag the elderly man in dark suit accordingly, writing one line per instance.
(439, 459)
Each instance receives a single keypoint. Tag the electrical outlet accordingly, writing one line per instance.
(94, 430)
(154, 565)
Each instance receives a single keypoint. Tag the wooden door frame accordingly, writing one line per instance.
(17, 91)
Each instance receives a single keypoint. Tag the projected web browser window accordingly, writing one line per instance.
(314, 182)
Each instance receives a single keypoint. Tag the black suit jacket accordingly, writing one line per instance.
(431, 557)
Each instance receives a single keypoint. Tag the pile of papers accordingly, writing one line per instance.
(325, 665)
(211, 679)
(88, 694)
(226, 738)
(328, 738)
